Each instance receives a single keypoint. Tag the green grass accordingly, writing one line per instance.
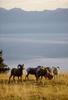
(31, 90)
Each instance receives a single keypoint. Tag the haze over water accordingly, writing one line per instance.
(35, 49)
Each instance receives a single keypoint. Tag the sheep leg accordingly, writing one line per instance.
(27, 76)
(14, 78)
(9, 78)
(21, 78)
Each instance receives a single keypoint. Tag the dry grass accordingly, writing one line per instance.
(31, 90)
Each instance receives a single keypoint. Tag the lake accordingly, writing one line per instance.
(35, 49)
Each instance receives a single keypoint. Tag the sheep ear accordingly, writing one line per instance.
(58, 67)
(46, 69)
(52, 66)
(23, 64)
(17, 66)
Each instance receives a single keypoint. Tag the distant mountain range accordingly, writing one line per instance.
(17, 20)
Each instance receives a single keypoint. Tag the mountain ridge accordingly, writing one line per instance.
(33, 21)
(34, 10)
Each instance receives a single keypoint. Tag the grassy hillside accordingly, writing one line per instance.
(31, 90)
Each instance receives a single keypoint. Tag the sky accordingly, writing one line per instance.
(34, 5)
